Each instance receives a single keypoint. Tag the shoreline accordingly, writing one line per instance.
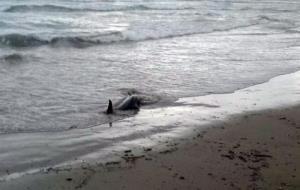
(151, 132)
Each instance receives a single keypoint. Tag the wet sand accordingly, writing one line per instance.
(259, 150)
(254, 151)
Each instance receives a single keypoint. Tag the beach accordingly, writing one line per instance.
(252, 149)
(255, 151)
(205, 93)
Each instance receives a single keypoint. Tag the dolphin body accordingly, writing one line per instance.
(131, 102)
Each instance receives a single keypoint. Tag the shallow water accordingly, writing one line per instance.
(72, 56)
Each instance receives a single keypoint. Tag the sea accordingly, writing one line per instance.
(62, 60)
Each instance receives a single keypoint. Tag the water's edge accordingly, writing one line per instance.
(31, 152)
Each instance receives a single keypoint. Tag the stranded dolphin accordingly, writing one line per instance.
(133, 101)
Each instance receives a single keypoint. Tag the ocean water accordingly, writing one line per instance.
(61, 60)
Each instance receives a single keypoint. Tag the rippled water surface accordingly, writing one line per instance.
(60, 61)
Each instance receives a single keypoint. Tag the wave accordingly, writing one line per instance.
(25, 41)
(19, 40)
(85, 41)
(56, 8)
(29, 8)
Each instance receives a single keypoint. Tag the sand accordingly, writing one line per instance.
(259, 150)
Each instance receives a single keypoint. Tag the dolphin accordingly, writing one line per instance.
(131, 102)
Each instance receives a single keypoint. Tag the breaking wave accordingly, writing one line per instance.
(18, 40)
(25, 41)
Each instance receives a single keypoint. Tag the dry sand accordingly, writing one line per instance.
(252, 151)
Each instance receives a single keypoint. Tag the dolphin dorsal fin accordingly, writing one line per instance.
(110, 109)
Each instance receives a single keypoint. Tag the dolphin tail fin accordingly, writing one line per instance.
(110, 109)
